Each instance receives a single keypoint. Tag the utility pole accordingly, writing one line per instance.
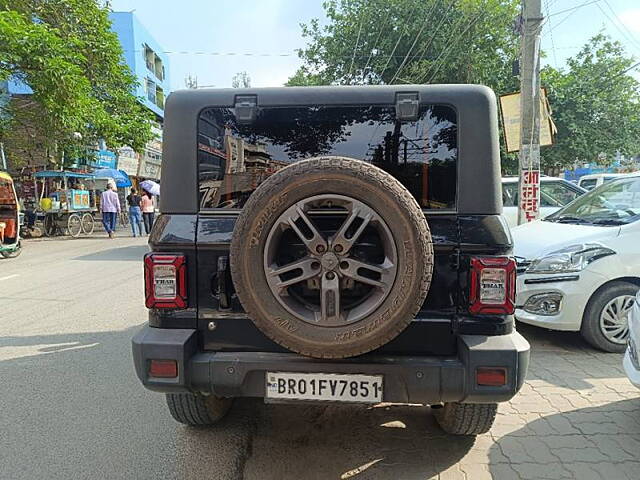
(529, 204)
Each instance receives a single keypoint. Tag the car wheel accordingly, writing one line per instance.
(605, 320)
(465, 418)
(196, 409)
(331, 257)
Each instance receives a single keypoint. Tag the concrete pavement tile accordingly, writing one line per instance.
(525, 450)
(610, 446)
(612, 471)
(583, 471)
(452, 473)
(561, 424)
(477, 472)
(503, 472)
(630, 469)
(538, 471)
(578, 401)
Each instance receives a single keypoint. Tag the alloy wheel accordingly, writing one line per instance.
(330, 260)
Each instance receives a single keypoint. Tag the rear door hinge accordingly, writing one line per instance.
(407, 106)
(246, 108)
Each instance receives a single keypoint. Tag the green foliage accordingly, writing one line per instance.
(241, 80)
(596, 106)
(66, 52)
(411, 41)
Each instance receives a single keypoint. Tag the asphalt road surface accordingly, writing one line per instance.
(71, 406)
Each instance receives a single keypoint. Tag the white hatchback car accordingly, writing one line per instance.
(555, 193)
(579, 269)
(631, 360)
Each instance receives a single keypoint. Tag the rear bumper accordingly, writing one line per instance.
(407, 379)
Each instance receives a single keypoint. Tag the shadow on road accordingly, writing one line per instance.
(130, 253)
(344, 442)
(565, 359)
(588, 443)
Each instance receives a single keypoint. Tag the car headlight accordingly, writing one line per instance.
(570, 259)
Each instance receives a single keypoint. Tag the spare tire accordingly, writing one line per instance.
(331, 257)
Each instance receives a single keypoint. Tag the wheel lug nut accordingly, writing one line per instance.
(330, 275)
(344, 265)
(320, 249)
(337, 248)
(315, 265)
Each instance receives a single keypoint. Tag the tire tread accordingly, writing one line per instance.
(466, 418)
(195, 409)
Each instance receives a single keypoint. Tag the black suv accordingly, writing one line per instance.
(332, 244)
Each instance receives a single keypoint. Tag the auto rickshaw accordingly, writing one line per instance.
(10, 245)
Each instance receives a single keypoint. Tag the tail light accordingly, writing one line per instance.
(493, 285)
(165, 281)
(163, 368)
(491, 376)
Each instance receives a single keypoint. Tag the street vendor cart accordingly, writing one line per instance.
(68, 200)
(10, 245)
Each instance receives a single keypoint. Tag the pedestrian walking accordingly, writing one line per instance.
(135, 213)
(110, 208)
(148, 211)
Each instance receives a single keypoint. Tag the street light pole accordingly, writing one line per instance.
(529, 204)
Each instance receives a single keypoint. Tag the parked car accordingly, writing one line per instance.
(555, 193)
(579, 269)
(631, 360)
(593, 180)
(308, 250)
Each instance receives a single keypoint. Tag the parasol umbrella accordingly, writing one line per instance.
(152, 187)
(121, 178)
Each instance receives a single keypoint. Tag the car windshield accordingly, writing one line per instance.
(614, 203)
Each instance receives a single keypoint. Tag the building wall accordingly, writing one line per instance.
(134, 36)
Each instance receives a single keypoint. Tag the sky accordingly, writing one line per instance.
(263, 35)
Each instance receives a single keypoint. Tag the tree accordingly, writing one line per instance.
(241, 80)
(411, 41)
(596, 106)
(67, 54)
(191, 81)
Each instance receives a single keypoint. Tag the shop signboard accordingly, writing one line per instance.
(128, 161)
(510, 109)
(150, 164)
(104, 159)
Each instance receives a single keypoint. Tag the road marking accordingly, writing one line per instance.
(9, 277)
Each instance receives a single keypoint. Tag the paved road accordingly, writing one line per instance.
(71, 407)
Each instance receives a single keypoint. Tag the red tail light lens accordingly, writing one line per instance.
(491, 376)
(165, 281)
(493, 285)
(163, 368)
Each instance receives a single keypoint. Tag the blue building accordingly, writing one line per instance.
(145, 58)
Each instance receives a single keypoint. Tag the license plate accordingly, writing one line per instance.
(330, 387)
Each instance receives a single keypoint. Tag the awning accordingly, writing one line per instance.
(121, 178)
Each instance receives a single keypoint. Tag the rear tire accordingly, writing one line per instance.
(466, 418)
(196, 409)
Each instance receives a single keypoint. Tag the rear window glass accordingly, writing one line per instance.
(235, 158)
(588, 183)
